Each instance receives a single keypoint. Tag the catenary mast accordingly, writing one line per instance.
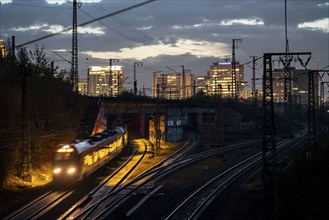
(74, 77)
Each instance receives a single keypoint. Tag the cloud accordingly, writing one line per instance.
(182, 46)
(323, 4)
(30, 28)
(6, 1)
(98, 31)
(190, 26)
(317, 25)
(59, 2)
(145, 28)
(242, 21)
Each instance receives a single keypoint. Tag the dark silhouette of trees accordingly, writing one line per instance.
(55, 110)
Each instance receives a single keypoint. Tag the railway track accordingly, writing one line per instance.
(118, 178)
(37, 208)
(146, 180)
(43, 204)
(192, 206)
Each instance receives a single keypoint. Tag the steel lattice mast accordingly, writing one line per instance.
(234, 88)
(269, 172)
(287, 71)
(74, 78)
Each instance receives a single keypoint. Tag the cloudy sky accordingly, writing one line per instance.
(193, 33)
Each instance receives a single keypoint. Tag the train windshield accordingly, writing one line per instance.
(62, 156)
(65, 152)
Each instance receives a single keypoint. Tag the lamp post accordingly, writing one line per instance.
(135, 80)
(110, 75)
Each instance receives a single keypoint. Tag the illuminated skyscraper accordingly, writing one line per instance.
(2, 48)
(105, 82)
(220, 75)
(299, 85)
(170, 86)
(83, 86)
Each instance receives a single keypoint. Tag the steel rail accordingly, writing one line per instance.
(225, 177)
(96, 189)
(28, 206)
(207, 200)
(89, 210)
(38, 207)
(110, 193)
(160, 173)
(41, 204)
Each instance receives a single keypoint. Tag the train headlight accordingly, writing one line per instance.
(71, 170)
(57, 170)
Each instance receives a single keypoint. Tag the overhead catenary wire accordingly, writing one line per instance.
(124, 23)
(112, 29)
(87, 22)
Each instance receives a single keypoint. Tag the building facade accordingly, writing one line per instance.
(299, 86)
(219, 80)
(3, 48)
(83, 86)
(105, 81)
(173, 86)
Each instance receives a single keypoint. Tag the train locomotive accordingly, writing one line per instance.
(76, 160)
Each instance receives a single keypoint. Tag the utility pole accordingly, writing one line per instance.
(74, 77)
(25, 151)
(287, 72)
(220, 119)
(135, 80)
(183, 83)
(269, 166)
(194, 87)
(111, 61)
(311, 112)
(269, 145)
(13, 47)
(184, 87)
(163, 86)
(253, 92)
(88, 84)
(311, 128)
(322, 113)
(234, 88)
(157, 130)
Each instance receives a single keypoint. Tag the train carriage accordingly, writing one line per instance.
(81, 158)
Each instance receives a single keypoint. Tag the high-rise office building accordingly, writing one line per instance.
(299, 85)
(202, 84)
(2, 48)
(173, 86)
(103, 81)
(219, 79)
(83, 86)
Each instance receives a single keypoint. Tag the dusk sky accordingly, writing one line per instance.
(193, 33)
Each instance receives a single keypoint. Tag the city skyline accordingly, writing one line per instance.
(171, 33)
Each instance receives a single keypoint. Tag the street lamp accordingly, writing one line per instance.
(110, 75)
(135, 80)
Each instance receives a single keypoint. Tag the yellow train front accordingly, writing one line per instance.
(81, 158)
(66, 163)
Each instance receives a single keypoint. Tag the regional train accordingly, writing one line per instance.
(77, 160)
